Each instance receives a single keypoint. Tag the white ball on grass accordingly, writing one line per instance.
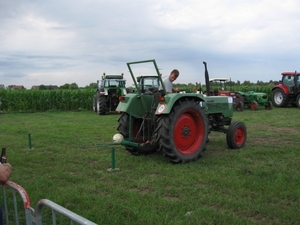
(118, 138)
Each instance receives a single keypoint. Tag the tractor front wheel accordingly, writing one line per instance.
(101, 105)
(182, 134)
(254, 105)
(236, 135)
(279, 98)
(95, 103)
(269, 105)
(298, 101)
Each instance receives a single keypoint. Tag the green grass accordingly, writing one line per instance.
(258, 184)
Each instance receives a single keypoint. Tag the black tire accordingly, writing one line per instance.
(114, 101)
(254, 105)
(123, 128)
(298, 101)
(236, 135)
(239, 106)
(182, 135)
(240, 98)
(102, 105)
(238, 102)
(279, 98)
(269, 105)
(95, 103)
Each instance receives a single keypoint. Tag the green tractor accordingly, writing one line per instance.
(253, 99)
(218, 88)
(240, 99)
(107, 95)
(147, 83)
(177, 124)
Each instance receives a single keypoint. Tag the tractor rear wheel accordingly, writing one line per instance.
(279, 98)
(101, 105)
(254, 105)
(95, 103)
(182, 135)
(239, 106)
(239, 99)
(123, 128)
(298, 101)
(236, 135)
(269, 105)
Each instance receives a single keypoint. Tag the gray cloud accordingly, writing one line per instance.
(13, 75)
(61, 42)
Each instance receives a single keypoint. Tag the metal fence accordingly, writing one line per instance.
(19, 211)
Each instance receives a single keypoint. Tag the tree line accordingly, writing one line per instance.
(74, 86)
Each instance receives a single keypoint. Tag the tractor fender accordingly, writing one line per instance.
(282, 87)
(166, 106)
(135, 104)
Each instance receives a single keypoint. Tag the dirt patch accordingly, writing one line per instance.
(141, 191)
(269, 141)
(270, 128)
(170, 197)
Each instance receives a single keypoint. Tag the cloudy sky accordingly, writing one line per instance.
(57, 42)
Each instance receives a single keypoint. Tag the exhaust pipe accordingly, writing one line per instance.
(207, 80)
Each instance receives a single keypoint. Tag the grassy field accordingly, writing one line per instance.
(259, 184)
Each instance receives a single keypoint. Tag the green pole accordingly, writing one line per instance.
(113, 161)
(29, 141)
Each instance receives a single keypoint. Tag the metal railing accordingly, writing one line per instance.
(31, 215)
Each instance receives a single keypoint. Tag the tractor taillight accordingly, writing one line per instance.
(161, 99)
(121, 98)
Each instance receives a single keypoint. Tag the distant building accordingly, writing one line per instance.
(35, 87)
(17, 87)
(47, 87)
(2, 86)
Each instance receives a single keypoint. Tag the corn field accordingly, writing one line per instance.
(67, 100)
(44, 100)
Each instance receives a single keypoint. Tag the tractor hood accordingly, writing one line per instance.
(211, 104)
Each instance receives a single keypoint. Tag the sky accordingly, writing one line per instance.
(57, 42)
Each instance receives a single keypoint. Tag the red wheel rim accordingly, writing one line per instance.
(239, 136)
(253, 106)
(188, 132)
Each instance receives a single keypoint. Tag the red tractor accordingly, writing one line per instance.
(218, 88)
(288, 91)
